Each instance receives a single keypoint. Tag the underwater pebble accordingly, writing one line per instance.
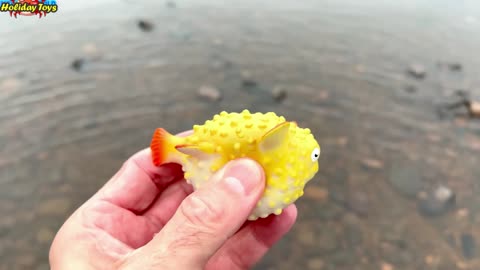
(372, 163)
(145, 26)
(468, 245)
(455, 66)
(358, 203)
(171, 4)
(45, 235)
(209, 92)
(10, 85)
(474, 108)
(78, 64)
(315, 264)
(247, 79)
(386, 266)
(410, 89)
(437, 202)
(417, 71)
(316, 193)
(54, 207)
(279, 93)
(406, 180)
(25, 260)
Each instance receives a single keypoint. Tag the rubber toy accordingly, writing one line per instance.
(288, 154)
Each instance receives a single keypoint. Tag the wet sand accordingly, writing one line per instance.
(85, 88)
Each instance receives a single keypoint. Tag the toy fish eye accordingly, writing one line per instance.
(315, 154)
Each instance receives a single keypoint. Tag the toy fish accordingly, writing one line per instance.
(288, 154)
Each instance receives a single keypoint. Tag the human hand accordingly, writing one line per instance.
(148, 217)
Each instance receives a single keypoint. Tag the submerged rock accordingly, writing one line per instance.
(209, 92)
(247, 79)
(406, 180)
(279, 93)
(437, 202)
(417, 71)
(78, 64)
(145, 26)
(468, 245)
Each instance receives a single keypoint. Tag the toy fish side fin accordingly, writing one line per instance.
(195, 150)
(162, 145)
(274, 137)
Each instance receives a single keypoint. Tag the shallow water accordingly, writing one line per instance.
(65, 131)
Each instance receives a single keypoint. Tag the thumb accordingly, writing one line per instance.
(205, 219)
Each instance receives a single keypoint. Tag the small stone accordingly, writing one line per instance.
(462, 213)
(417, 71)
(55, 207)
(171, 4)
(306, 237)
(455, 66)
(386, 266)
(90, 49)
(372, 163)
(25, 260)
(145, 26)
(358, 202)
(209, 92)
(321, 95)
(410, 89)
(45, 235)
(316, 193)
(78, 64)
(315, 264)
(342, 141)
(474, 108)
(279, 93)
(438, 202)
(468, 246)
(406, 180)
(247, 79)
(10, 85)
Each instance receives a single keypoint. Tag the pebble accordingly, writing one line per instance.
(25, 260)
(406, 180)
(55, 207)
(45, 236)
(437, 202)
(315, 264)
(417, 71)
(358, 202)
(279, 93)
(386, 266)
(468, 246)
(316, 193)
(90, 49)
(474, 108)
(247, 79)
(209, 92)
(145, 26)
(78, 64)
(372, 163)
(455, 66)
(10, 85)
(171, 4)
(410, 89)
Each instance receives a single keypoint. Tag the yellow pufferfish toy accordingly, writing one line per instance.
(288, 154)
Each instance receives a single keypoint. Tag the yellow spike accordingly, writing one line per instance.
(236, 146)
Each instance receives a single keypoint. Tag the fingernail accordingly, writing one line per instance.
(243, 176)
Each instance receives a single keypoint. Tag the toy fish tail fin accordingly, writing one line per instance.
(162, 146)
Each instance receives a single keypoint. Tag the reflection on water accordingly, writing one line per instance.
(397, 185)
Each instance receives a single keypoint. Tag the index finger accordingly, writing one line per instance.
(136, 185)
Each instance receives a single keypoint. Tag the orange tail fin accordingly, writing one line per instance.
(161, 146)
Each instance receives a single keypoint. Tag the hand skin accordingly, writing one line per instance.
(148, 217)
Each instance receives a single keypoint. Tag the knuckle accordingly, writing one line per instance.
(202, 212)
